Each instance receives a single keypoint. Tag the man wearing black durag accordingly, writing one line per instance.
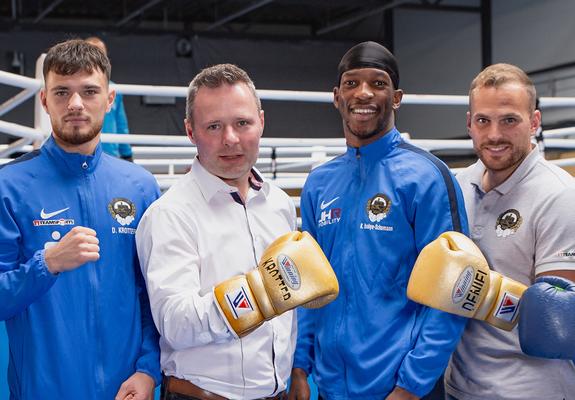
(372, 210)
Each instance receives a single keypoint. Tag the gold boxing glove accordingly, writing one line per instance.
(451, 274)
(293, 271)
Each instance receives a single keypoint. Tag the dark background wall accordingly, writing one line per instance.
(152, 60)
(425, 55)
(438, 53)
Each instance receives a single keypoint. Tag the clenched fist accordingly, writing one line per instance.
(76, 248)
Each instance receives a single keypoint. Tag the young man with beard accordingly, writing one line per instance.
(520, 210)
(72, 294)
(372, 210)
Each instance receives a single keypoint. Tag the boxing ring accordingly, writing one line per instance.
(286, 161)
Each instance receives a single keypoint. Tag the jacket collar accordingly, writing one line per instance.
(378, 149)
(72, 163)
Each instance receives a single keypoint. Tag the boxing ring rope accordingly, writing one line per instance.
(167, 156)
(31, 87)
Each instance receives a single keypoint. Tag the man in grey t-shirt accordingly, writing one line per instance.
(520, 215)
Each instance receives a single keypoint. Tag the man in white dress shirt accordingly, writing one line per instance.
(213, 224)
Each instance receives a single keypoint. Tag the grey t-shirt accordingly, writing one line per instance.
(524, 227)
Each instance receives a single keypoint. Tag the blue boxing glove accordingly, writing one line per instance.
(547, 319)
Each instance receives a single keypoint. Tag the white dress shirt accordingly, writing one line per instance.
(198, 234)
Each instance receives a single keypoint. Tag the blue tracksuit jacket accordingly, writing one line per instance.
(372, 210)
(81, 333)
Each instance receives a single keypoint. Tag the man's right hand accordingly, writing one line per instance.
(77, 247)
(299, 388)
(293, 271)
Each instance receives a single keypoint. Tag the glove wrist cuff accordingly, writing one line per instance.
(488, 303)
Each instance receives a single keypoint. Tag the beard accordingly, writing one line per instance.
(371, 131)
(366, 131)
(511, 160)
(76, 135)
(366, 134)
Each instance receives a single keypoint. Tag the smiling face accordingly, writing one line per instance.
(366, 100)
(227, 127)
(501, 122)
(76, 105)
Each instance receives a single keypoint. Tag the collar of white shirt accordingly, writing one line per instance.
(210, 184)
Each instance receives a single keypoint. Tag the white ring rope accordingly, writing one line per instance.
(170, 155)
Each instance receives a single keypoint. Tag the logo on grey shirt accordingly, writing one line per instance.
(508, 223)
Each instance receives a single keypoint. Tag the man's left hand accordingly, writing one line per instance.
(401, 394)
(139, 386)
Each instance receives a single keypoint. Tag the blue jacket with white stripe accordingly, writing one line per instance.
(80, 333)
(372, 210)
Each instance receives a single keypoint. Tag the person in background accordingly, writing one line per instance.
(115, 120)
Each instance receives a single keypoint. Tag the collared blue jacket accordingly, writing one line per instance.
(372, 210)
(81, 333)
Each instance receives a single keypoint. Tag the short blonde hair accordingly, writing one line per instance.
(497, 75)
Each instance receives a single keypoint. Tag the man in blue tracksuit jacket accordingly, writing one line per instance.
(71, 291)
(372, 210)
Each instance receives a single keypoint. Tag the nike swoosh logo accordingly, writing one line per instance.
(45, 215)
(323, 205)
